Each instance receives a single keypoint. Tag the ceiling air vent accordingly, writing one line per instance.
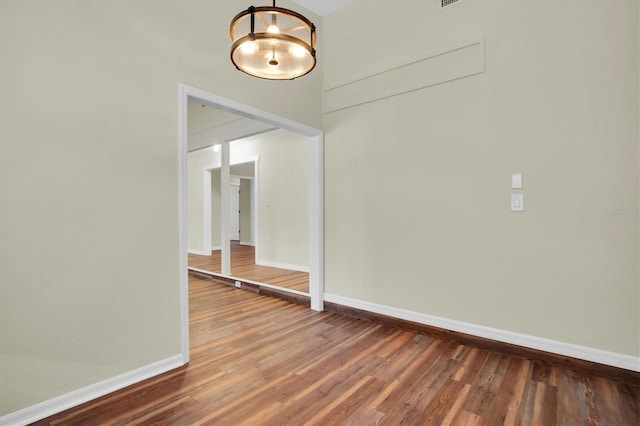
(445, 3)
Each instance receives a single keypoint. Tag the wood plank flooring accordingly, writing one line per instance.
(262, 361)
(243, 266)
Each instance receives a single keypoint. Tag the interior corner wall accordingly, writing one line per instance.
(89, 235)
(418, 185)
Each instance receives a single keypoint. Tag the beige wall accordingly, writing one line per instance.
(196, 162)
(89, 165)
(417, 186)
(284, 200)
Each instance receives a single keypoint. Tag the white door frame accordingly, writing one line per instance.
(234, 224)
(316, 191)
(252, 197)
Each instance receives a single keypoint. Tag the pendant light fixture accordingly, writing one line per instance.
(273, 43)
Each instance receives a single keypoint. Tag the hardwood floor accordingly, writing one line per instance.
(243, 266)
(257, 360)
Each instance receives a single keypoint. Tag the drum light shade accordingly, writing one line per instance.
(273, 43)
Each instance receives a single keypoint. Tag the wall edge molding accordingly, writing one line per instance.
(599, 356)
(345, 95)
(280, 265)
(80, 396)
(199, 252)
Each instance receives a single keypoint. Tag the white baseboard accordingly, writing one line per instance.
(199, 252)
(279, 265)
(561, 348)
(214, 248)
(80, 396)
(246, 243)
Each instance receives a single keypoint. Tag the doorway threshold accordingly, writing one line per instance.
(292, 296)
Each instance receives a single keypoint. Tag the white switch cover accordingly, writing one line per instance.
(516, 181)
(517, 202)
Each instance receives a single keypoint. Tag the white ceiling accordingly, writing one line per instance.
(323, 7)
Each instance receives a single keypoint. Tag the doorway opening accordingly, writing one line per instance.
(315, 249)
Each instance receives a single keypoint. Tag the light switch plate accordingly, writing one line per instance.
(517, 202)
(516, 181)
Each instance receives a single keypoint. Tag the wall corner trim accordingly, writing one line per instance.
(91, 392)
(600, 356)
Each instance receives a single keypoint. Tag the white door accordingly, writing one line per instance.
(234, 222)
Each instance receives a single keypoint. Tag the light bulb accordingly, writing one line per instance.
(273, 29)
(249, 47)
(297, 51)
